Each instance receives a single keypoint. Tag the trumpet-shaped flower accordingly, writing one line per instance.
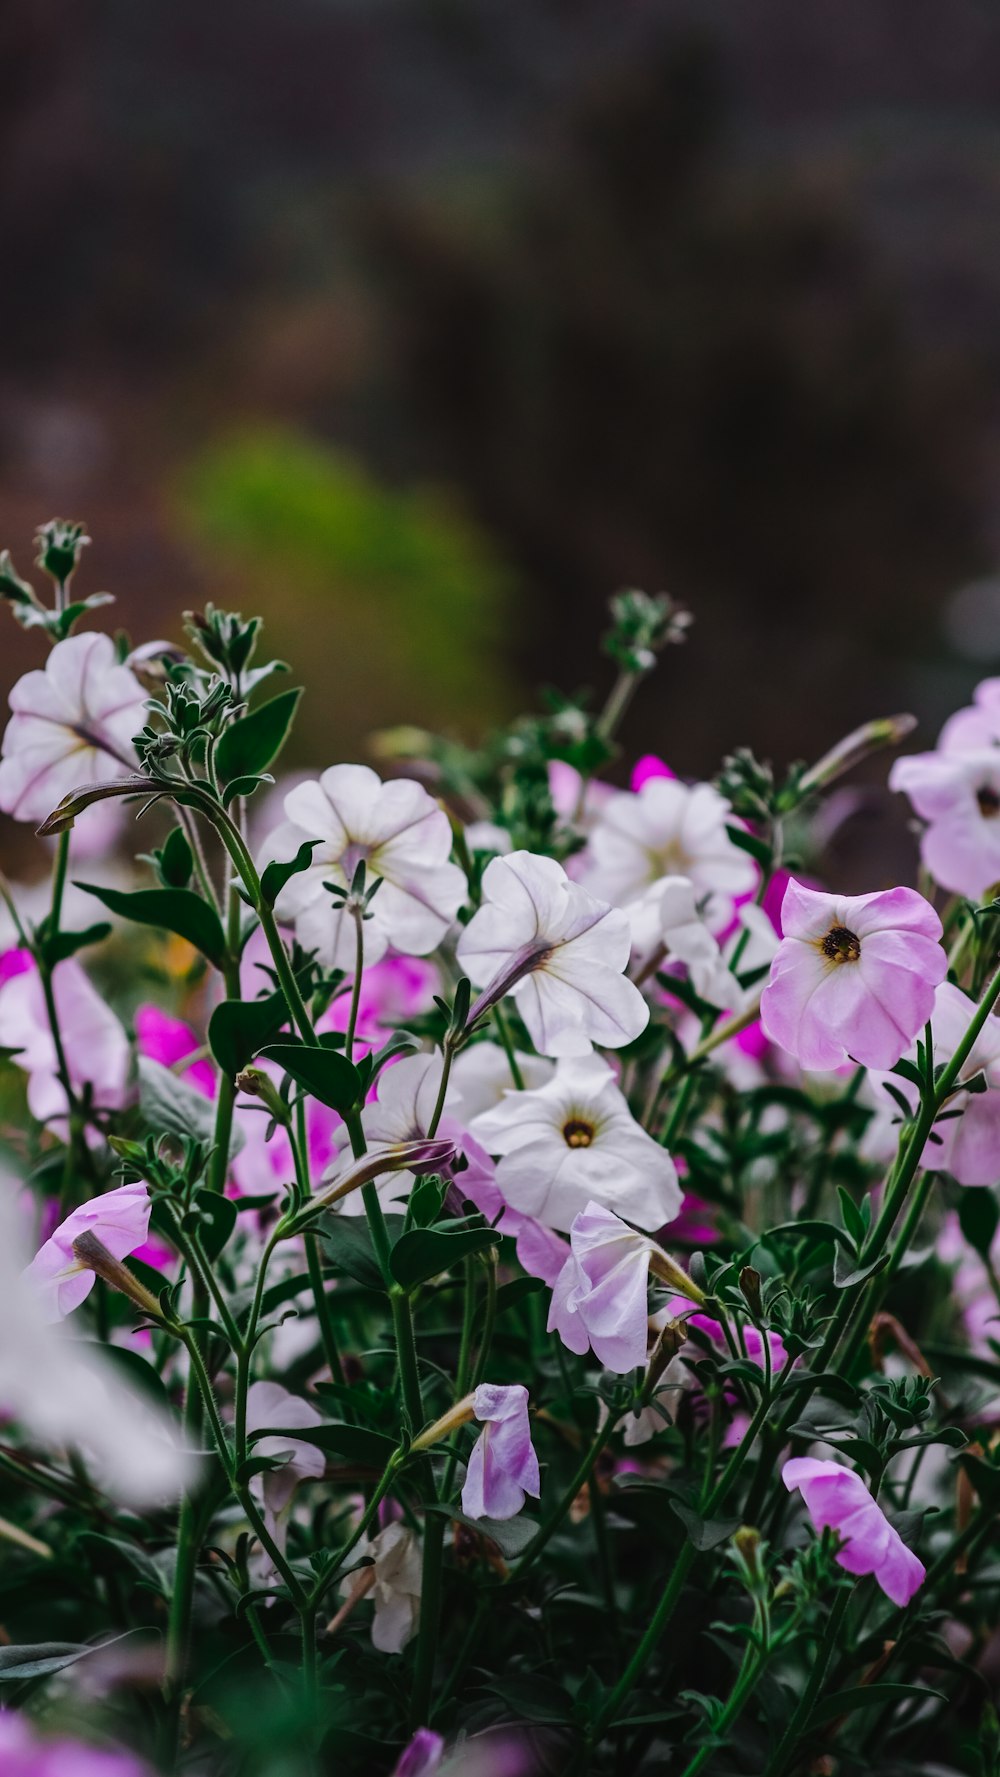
(561, 953)
(394, 1580)
(600, 1298)
(120, 1220)
(958, 795)
(966, 1140)
(574, 1141)
(837, 1499)
(480, 1076)
(400, 834)
(668, 828)
(70, 724)
(854, 976)
(94, 1043)
(503, 1466)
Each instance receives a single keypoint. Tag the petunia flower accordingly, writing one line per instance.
(480, 1075)
(422, 1756)
(958, 795)
(854, 976)
(561, 953)
(837, 1499)
(978, 725)
(965, 1141)
(394, 1579)
(70, 724)
(402, 836)
(24, 1752)
(120, 1220)
(95, 1045)
(270, 1404)
(600, 1298)
(668, 828)
(503, 1466)
(574, 1141)
(669, 920)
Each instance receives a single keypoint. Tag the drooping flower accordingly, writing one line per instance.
(24, 1752)
(71, 724)
(503, 1466)
(600, 1298)
(270, 1404)
(574, 1141)
(394, 1580)
(119, 1218)
(422, 1757)
(668, 828)
(854, 976)
(965, 1140)
(561, 953)
(958, 795)
(94, 1042)
(402, 836)
(837, 1499)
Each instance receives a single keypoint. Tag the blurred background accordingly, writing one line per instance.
(423, 325)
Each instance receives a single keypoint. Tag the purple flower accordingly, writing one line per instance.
(120, 1220)
(600, 1295)
(94, 1043)
(837, 1499)
(24, 1753)
(422, 1757)
(854, 976)
(503, 1466)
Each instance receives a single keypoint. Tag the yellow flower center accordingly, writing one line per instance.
(841, 945)
(577, 1133)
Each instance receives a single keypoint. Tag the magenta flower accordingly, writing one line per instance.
(503, 1466)
(837, 1499)
(168, 1040)
(600, 1297)
(854, 976)
(26, 1753)
(422, 1756)
(120, 1220)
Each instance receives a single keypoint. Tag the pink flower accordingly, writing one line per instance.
(854, 976)
(120, 1219)
(540, 1252)
(94, 1042)
(600, 1297)
(422, 1757)
(645, 768)
(837, 1499)
(71, 724)
(958, 795)
(976, 726)
(503, 1466)
(26, 1753)
(968, 1144)
(168, 1040)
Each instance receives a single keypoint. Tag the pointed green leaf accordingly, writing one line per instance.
(252, 742)
(172, 910)
(321, 1072)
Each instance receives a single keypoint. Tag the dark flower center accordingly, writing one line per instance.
(989, 801)
(841, 946)
(577, 1133)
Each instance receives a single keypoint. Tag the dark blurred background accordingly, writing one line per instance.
(426, 324)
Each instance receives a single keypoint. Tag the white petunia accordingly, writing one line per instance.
(573, 1142)
(480, 1076)
(395, 1581)
(70, 724)
(401, 835)
(561, 953)
(667, 829)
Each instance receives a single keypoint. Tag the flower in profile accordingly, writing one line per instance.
(965, 1140)
(573, 1142)
(393, 1577)
(270, 1404)
(837, 1499)
(854, 976)
(957, 794)
(503, 1466)
(401, 835)
(561, 953)
(94, 1042)
(668, 828)
(119, 1219)
(422, 1757)
(600, 1298)
(70, 724)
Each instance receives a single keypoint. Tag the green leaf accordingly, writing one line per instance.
(349, 1246)
(845, 1278)
(172, 910)
(214, 1218)
(511, 1535)
(704, 1533)
(175, 859)
(979, 1216)
(426, 1252)
(142, 1564)
(251, 743)
(426, 1199)
(867, 1696)
(758, 848)
(355, 1443)
(510, 1294)
(244, 786)
(274, 876)
(237, 1029)
(64, 944)
(321, 1072)
(38, 1658)
(854, 1221)
(169, 1104)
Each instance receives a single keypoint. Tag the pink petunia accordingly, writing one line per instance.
(120, 1220)
(600, 1297)
(854, 976)
(958, 796)
(503, 1466)
(94, 1042)
(837, 1499)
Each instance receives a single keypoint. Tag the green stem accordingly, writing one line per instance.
(500, 1020)
(580, 1479)
(814, 1685)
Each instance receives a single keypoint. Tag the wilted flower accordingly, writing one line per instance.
(400, 834)
(71, 724)
(600, 1297)
(854, 976)
(668, 829)
(574, 1141)
(94, 1042)
(561, 953)
(394, 1579)
(120, 1220)
(837, 1499)
(503, 1466)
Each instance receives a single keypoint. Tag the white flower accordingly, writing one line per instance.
(561, 953)
(667, 829)
(480, 1075)
(668, 917)
(270, 1404)
(94, 1042)
(574, 1141)
(402, 836)
(407, 1095)
(71, 724)
(394, 1581)
(63, 1393)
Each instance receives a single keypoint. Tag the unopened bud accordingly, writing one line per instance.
(747, 1543)
(669, 1343)
(871, 737)
(93, 1255)
(750, 1285)
(459, 1414)
(424, 1155)
(672, 1274)
(255, 1083)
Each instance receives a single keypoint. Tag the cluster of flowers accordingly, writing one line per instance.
(532, 1123)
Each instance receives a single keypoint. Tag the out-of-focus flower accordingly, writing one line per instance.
(270, 1404)
(561, 953)
(397, 988)
(94, 1042)
(967, 1144)
(958, 795)
(394, 1579)
(854, 976)
(169, 1040)
(422, 1757)
(978, 725)
(646, 767)
(837, 1499)
(71, 724)
(668, 919)
(26, 1753)
(574, 1141)
(503, 1466)
(401, 835)
(120, 1219)
(668, 829)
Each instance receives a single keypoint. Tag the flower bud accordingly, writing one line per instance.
(459, 1414)
(257, 1084)
(750, 1285)
(871, 737)
(669, 1343)
(672, 1274)
(94, 1256)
